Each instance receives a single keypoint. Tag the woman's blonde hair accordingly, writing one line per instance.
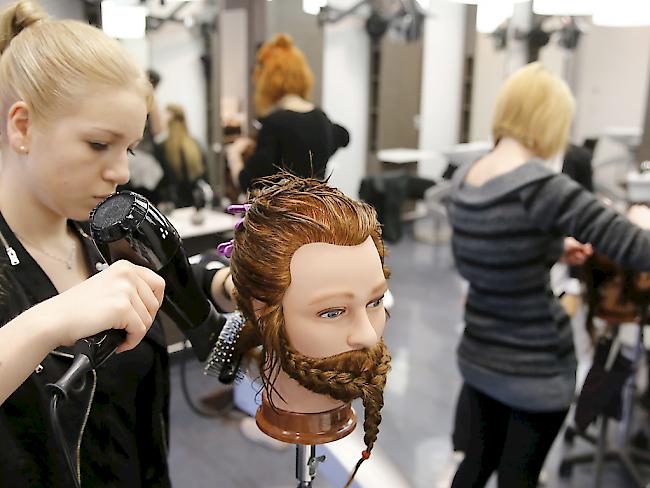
(536, 108)
(180, 146)
(281, 70)
(50, 63)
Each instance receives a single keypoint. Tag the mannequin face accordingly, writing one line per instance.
(335, 303)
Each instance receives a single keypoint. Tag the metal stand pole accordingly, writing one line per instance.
(306, 464)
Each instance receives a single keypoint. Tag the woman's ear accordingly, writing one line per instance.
(19, 119)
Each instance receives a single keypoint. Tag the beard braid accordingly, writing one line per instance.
(344, 377)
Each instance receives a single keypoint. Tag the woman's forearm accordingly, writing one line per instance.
(222, 288)
(24, 342)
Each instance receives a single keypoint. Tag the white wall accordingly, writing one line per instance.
(60, 9)
(489, 73)
(442, 72)
(345, 95)
(139, 49)
(492, 67)
(175, 52)
(611, 79)
(608, 73)
(235, 73)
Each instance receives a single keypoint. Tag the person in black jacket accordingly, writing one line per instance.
(74, 105)
(126, 296)
(295, 135)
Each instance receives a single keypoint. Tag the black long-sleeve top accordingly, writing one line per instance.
(299, 142)
(518, 346)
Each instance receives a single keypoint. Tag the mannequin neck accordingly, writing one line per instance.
(306, 428)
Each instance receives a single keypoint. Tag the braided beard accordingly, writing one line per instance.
(345, 377)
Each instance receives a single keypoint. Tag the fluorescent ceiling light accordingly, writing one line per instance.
(563, 7)
(622, 13)
(477, 2)
(313, 7)
(123, 20)
(490, 14)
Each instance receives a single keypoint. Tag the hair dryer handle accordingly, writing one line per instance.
(89, 353)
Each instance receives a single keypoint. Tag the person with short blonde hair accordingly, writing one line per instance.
(510, 214)
(535, 108)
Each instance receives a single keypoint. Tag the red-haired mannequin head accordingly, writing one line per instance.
(308, 268)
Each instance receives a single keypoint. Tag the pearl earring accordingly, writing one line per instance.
(23, 149)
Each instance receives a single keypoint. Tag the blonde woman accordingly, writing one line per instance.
(509, 214)
(74, 105)
(185, 163)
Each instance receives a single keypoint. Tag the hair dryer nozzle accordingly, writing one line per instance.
(127, 226)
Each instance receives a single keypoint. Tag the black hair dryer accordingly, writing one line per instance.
(127, 226)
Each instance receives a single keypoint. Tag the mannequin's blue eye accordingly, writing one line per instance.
(331, 314)
(376, 303)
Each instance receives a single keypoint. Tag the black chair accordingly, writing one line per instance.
(609, 392)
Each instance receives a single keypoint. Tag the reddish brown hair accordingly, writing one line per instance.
(281, 70)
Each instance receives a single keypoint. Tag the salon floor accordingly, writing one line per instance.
(419, 399)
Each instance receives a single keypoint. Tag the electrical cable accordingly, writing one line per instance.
(186, 391)
(58, 433)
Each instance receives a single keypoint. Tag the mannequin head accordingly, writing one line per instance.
(308, 268)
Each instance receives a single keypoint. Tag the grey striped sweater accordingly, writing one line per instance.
(517, 345)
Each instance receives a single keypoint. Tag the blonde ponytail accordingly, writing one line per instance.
(49, 64)
(17, 17)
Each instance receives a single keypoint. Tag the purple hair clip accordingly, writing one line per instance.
(225, 248)
(235, 209)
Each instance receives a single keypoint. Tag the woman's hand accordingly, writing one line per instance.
(575, 253)
(123, 296)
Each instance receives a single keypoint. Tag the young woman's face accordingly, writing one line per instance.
(334, 303)
(77, 159)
